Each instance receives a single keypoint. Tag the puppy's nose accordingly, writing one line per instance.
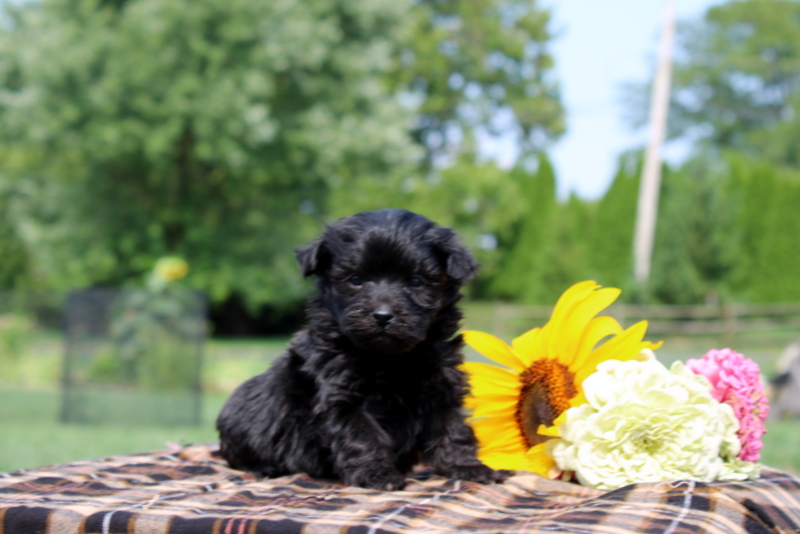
(383, 315)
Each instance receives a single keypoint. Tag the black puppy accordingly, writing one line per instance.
(372, 385)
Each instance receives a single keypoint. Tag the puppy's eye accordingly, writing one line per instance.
(415, 281)
(356, 281)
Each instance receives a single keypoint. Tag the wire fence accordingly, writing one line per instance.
(725, 321)
(126, 356)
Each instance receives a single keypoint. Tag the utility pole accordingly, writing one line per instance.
(647, 208)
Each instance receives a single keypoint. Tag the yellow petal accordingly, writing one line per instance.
(497, 460)
(485, 384)
(483, 411)
(539, 461)
(492, 423)
(480, 386)
(597, 329)
(575, 321)
(494, 430)
(577, 400)
(622, 347)
(552, 331)
(575, 293)
(515, 445)
(495, 408)
(472, 402)
(493, 348)
(584, 312)
(550, 431)
(529, 346)
(503, 421)
(499, 375)
(569, 299)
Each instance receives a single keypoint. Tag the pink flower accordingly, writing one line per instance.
(735, 381)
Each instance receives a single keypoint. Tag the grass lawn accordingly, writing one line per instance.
(780, 450)
(32, 436)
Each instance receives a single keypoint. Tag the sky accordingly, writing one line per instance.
(599, 46)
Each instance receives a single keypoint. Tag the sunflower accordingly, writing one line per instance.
(170, 268)
(515, 407)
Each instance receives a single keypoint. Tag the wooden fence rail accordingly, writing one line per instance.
(724, 320)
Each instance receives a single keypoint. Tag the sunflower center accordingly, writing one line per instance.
(547, 387)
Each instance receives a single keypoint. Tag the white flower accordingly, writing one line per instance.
(643, 422)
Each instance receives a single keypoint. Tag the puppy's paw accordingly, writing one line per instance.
(476, 473)
(375, 479)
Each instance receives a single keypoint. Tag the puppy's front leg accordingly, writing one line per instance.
(362, 450)
(450, 448)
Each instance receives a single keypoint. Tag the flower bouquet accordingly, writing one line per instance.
(581, 397)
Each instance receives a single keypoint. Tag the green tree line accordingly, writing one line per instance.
(228, 132)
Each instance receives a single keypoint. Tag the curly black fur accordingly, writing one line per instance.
(372, 385)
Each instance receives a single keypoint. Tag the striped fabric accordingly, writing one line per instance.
(193, 492)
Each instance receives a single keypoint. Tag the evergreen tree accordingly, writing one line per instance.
(674, 279)
(736, 89)
(561, 260)
(548, 250)
(714, 238)
(610, 236)
(766, 209)
(697, 239)
(777, 280)
(754, 188)
(517, 272)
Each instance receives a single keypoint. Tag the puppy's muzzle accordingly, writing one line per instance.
(383, 315)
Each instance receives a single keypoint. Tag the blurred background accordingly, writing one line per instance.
(160, 160)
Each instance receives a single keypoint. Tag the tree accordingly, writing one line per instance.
(736, 89)
(481, 66)
(14, 269)
(547, 245)
(517, 271)
(561, 260)
(736, 81)
(674, 278)
(212, 130)
(777, 281)
(698, 238)
(480, 200)
(228, 131)
(610, 237)
(714, 237)
(765, 199)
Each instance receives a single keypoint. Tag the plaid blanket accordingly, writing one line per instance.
(193, 491)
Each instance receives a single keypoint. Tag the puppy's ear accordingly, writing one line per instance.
(458, 260)
(313, 258)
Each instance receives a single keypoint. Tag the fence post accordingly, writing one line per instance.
(499, 320)
(728, 323)
(617, 312)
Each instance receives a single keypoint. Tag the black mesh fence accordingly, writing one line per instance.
(133, 357)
